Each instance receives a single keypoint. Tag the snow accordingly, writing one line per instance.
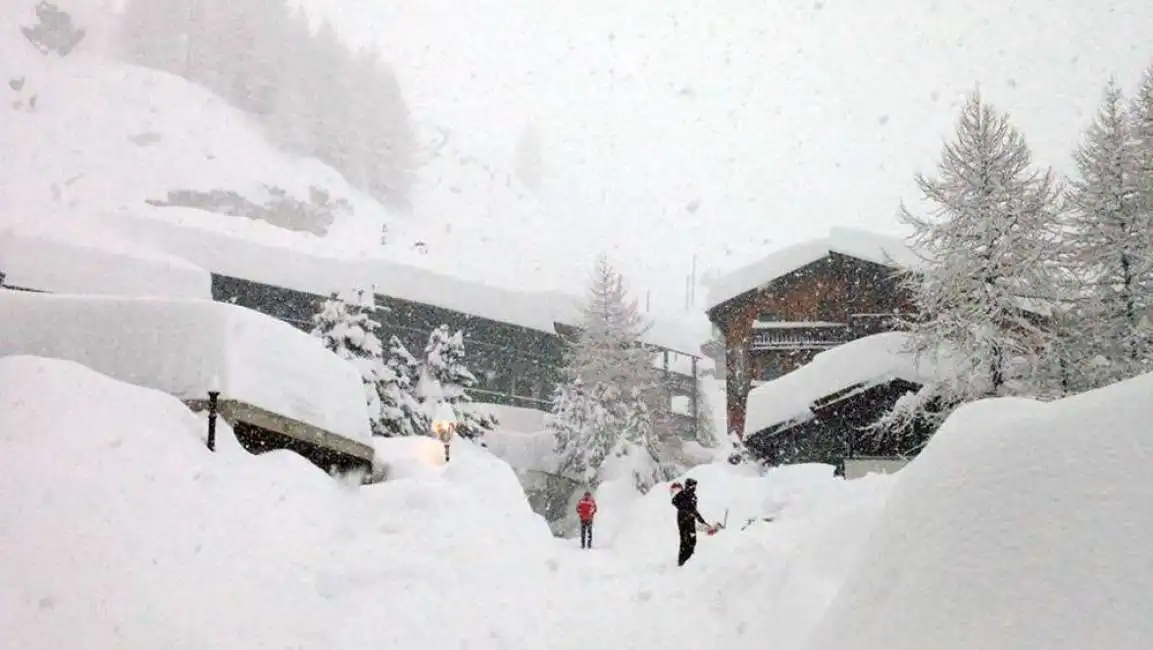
(870, 361)
(1012, 529)
(407, 457)
(89, 257)
(769, 583)
(163, 134)
(853, 242)
(1020, 525)
(120, 528)
(180, 346)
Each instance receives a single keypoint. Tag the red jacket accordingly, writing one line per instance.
(586, 508)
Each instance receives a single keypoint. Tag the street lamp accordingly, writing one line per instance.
(213, 396)
(443, 429)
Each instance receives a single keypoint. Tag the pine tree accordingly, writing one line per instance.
(401, 406)
(444, 366)
(608, 370)
(986, 246)
(1109, 250)
(1142, 130)
(636, 445)
(345, 324)
(584, 430)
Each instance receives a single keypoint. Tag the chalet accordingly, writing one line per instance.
(777, 314)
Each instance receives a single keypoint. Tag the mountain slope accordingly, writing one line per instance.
(85, 135)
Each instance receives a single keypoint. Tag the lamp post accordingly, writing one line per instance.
(213, 397)
(444, 430)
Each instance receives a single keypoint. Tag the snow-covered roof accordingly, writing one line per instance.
(183, 347)
(87, 258)
(261, 253)
(861, 244)
(868, 361)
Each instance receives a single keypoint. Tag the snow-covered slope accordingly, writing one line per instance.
(104, 135)
(1021, 525)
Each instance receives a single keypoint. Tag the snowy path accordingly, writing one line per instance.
(624, 601)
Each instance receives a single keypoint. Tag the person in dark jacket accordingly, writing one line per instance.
(685, 501)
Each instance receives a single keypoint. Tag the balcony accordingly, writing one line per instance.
(797, 335)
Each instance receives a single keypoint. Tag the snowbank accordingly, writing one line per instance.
(87, 256)
(1021, 525)
(861, 244)
(407, 457)
(867, 361)
(182, 346)
(120, 530)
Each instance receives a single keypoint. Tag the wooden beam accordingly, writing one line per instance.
(234, 411)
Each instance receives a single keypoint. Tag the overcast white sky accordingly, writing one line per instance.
(781, 118)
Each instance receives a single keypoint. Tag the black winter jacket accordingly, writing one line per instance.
(685, 502)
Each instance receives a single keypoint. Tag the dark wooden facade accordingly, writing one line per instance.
(776, 328)
(837, 429)
(514, 365)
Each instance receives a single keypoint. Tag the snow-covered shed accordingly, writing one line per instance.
(816, 413)
(279, 387)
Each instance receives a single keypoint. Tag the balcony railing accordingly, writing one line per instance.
(800, 337)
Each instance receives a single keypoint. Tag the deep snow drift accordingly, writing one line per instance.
(1021, 525)
(120, 530)
(183, 347)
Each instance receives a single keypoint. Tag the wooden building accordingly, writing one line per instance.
(776, 314)
(516, 363)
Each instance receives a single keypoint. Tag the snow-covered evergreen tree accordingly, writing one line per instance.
(401, 407)
(1142, 132)
(610, 374)
(987, 246)
(345, 324)
(636, 450)
(584, 430)
(444, 367)
(1110, 250)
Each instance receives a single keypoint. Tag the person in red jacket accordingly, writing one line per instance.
(586, 509)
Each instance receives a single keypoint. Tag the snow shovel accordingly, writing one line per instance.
(721, 526)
